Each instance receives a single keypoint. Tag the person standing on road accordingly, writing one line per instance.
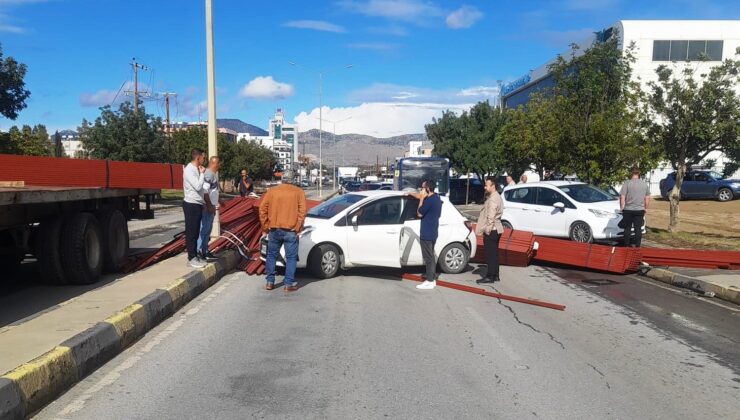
(245, 184)
(634, 199)
(193, 178)
(489, 225)
(430, 209)
(210, 187)
(510, 181)
(282, 211)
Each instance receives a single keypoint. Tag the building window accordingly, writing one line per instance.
(687, 50)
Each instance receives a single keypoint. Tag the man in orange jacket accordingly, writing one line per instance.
(282, 211)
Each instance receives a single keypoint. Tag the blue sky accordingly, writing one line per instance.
(410, 58)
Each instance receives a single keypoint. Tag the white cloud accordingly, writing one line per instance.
(463, 18)
(377, 119)
(316, 25)
(406, 10)
(393, 30)
(12, 29)
(19, 2)
(106, 97)
(265, 87)
(388, 92)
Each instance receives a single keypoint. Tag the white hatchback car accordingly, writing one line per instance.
(565, 209)
(377, 228)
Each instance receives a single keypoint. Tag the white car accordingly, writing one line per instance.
(565, 209)
(377, 228)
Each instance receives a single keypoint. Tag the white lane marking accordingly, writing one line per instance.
(79, 403)
(513, 355)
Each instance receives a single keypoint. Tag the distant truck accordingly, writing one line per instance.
(347, 172)
(71, 214)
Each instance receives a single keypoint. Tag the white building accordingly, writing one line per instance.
(70, 143)
(281, 139)
(678, 43)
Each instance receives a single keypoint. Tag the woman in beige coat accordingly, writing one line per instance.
(489, 225)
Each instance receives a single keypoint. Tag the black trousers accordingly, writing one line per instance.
(632, 218)
(193, 213)
(490, 245)
(430, 261)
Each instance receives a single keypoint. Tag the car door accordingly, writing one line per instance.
(547, 219)
(703, 185)
(374, 239)
(691, 187)
(409, 248)
(519, 207)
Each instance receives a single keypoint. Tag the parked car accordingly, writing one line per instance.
(304, 184)
(386, 187)
(458, 189)
(564, 209)
(377, 228)
(370, 186)
(702, 184)
(350, 187)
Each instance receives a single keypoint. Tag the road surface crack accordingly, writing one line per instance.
(600, 373)
(530, 326)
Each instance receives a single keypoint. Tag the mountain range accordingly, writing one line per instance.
(356, 149)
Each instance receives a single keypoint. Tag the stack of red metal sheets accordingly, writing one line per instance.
(596, 257)
(240, 230)
(515, 248)
(692, 258)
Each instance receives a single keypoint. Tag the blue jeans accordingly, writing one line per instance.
(206, 224)
(275, 240)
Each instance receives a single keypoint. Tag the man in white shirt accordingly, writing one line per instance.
(193, 178)
(210, 186)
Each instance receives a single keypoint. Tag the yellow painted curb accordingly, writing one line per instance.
(178, 291)
(130, 323)
(44, 377)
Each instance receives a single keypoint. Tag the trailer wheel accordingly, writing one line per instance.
(82, 251)
(115, 239)
(10, 257)
(48, 250)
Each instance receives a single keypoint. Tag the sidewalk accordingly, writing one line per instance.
(723, 284)
(45, 355)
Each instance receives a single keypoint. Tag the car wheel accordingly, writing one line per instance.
(724, 194)
(453, 259)
(325, 261)
(581, 232)
(507, 225)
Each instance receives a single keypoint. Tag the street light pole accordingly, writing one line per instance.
(211, 82)
(321, 129)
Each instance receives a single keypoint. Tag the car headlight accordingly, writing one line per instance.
(306, 230)
(735, 184)
(600, 213)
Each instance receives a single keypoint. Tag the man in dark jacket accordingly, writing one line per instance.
(430, 209)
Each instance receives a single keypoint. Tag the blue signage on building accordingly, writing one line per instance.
(510, 87)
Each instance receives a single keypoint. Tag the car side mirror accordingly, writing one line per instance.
(354, 220)
(559, 205)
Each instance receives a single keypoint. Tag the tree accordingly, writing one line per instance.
(695, 114)
(13, 93)
(469, 141)
(58, 149)
(29, 141)
(234, 156)
(600, 113)
(532, 136)
(124, 135)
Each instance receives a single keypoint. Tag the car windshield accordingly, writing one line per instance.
(331, 208)
(584, 193)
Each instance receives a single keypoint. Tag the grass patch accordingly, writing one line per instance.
(172, 195)
(693, 240)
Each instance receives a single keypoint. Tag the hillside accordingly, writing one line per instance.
(355, 149)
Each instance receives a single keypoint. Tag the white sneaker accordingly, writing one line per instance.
(196, 263)
(426, 285)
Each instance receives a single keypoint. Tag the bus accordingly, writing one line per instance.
(410, 172)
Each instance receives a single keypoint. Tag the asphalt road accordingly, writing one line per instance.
(368, 345)
(24, 295)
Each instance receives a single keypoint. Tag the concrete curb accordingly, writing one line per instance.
(695, 284)
(29, 387)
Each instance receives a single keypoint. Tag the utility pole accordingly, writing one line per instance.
(167, 95)
(211, 82)
(135, 67)
(321, 130)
